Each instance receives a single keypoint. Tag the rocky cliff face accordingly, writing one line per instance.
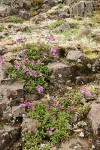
(76, 7)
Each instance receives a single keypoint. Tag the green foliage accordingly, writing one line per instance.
(53, 116)
(60, 5)
(26, 29)
(38, 2)
(15, 19)
(1, 27)
(56, 24)
(71, 32)
(24, 67)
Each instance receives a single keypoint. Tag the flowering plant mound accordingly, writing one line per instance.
(32, 68)
(54, 117)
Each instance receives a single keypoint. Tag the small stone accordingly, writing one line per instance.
(29, 125)
(74, 55)
(81, 134)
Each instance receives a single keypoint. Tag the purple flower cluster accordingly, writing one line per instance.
(33, 62)
(40, 89)
(23, 51)
(25, 59)
(50, 131)
(17, 66)
(85, 91)
(44, 55)
(39, 62)
(33, 73)
(25, 69)
(53, 52)
(27, 104)
(51, 38)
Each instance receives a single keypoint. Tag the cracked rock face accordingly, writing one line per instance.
(8, 134)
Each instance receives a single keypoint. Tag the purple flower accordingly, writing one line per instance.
(54, 117)
(41, 74)
(57, 104)
(25, 69)
(50, 131)
(70, 109)
(17, 66)
(85, 91)
(25, 59)
(22, 105)
(51, 102)
(30, 105)
(48, 109)
(4, 66)
(1, 59)
(53, 52)
(39, 62)
(33, 73)
(38, 44)
(44, 55)
(33, 63)
(51, 38)
(40, 89)
(23, 51)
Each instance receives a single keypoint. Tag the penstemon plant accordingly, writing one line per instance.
(33, 67)
(54, 117)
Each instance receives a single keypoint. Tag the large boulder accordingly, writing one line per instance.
(60, 71)
(94, 117)
(80, 7)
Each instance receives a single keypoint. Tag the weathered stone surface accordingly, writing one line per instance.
(78, 9)
(15, 112)
(2, 50)
(74, 55)
(29, 125)
(81, 80)
(7, 115)
(62, 12)
(88, 8)
(13, 90)
(94, 117)
(74, 144)
(8, 135)
(2, 73)
(3, 105)
(24, 14)
(60, 71)
(18, 111)
(81, 8)
(96, 65)
(96, 34)
(63, 27)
